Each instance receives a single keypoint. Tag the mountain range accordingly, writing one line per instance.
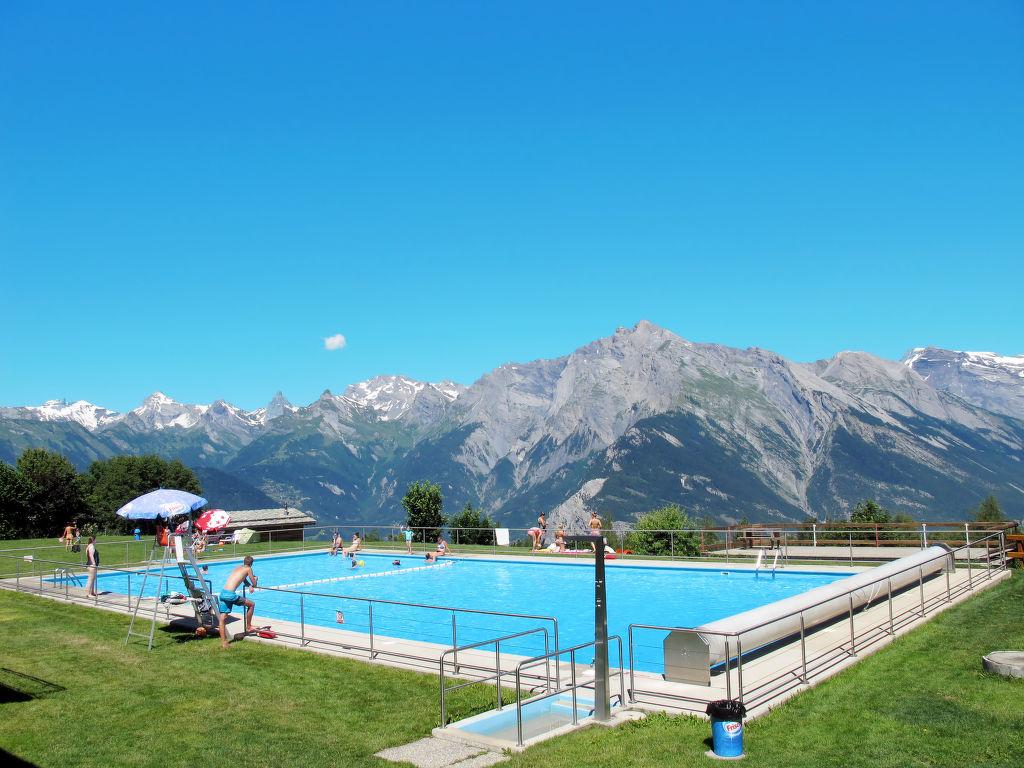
(621, 425)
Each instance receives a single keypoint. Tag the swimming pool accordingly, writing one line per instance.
(670, 596)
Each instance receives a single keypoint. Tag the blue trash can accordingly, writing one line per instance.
(727, 727)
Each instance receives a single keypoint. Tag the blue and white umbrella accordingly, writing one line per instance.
(163, 503)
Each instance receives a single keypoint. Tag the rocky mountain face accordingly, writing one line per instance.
(993, 382)
(621, 425)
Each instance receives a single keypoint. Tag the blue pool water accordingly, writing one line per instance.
(669, 596)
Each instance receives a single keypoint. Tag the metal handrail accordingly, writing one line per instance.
(497, 641)
(737, 634)
(573, 685)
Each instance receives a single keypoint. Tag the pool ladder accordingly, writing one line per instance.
(760, 562)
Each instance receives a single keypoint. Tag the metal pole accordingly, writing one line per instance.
(455, 642)
(728, 658)
(853, 640)
(497, 669)
(892, 626)
(632, 677)
(572, 672)
(518, 707)
(920, 584)
(302, 620)
(373, 653)
(602, 707)
(739, 668)
(814, 534)
(803, 649)
(850, 535)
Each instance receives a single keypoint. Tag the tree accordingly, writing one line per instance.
(476, 524)
(109, 485)
(424, 505)
(664, 531)
(989, 511)
(54, 492)
(14, 503)
(867, 514)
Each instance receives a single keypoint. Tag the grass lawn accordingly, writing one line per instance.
(923, 701)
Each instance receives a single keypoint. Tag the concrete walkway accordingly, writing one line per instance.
(432, 752)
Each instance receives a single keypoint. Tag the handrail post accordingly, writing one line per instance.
(892, 625)
(519, 706)
(739, 668)
(440, 677)
(302, 620)
(849, 534)
(558, 664)
(572, 672)
(129, 590)
(728, 659)
(373, 653)
(949, 593)
(803, 649)
(853, 637)
(547, 661)
(497, 669)
(671, 545)
(455, 643)
(632, 677)
(920, 584)
(967, 534)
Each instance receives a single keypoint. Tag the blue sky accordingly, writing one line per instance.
(193, 199)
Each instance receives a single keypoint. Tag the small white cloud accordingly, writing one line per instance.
(337, 341)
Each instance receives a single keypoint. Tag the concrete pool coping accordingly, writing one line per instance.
(651, 691)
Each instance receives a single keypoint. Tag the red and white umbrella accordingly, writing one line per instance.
(213, 520)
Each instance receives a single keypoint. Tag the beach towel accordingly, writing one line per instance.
(501, 536)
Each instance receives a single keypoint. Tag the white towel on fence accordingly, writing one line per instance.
(501, 536)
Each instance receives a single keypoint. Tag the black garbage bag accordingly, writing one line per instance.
(727, 709)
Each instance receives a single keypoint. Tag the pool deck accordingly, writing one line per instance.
(766, 680)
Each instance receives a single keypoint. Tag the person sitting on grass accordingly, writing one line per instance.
(229, 598)
(352, 548)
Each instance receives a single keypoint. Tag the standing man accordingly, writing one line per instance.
(595, 527)
(92, 559)
(229, 598)
(68, 536)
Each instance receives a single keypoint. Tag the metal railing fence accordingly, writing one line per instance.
(809, 666)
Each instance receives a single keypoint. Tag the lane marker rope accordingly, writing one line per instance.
(365, 575)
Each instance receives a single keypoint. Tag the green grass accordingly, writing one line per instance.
(188, 703)
(923, 701)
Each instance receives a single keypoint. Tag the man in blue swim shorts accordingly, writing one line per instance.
(229, 598)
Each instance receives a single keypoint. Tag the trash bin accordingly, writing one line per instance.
(727, 727)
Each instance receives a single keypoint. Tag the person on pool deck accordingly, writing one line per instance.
(92, 559)
(336, 543)
(595, 528)
(407, 531)
(536, 533)
(442, 548)
(352, 548)
(229, 597)
(68, 536)
(560, 540)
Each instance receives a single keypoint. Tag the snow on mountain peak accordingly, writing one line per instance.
(85, 413)
(392, 396)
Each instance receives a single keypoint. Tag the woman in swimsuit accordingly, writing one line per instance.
(560, 540)
(536, 533)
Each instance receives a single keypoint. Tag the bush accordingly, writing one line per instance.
(477, 521)
(663, 532)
